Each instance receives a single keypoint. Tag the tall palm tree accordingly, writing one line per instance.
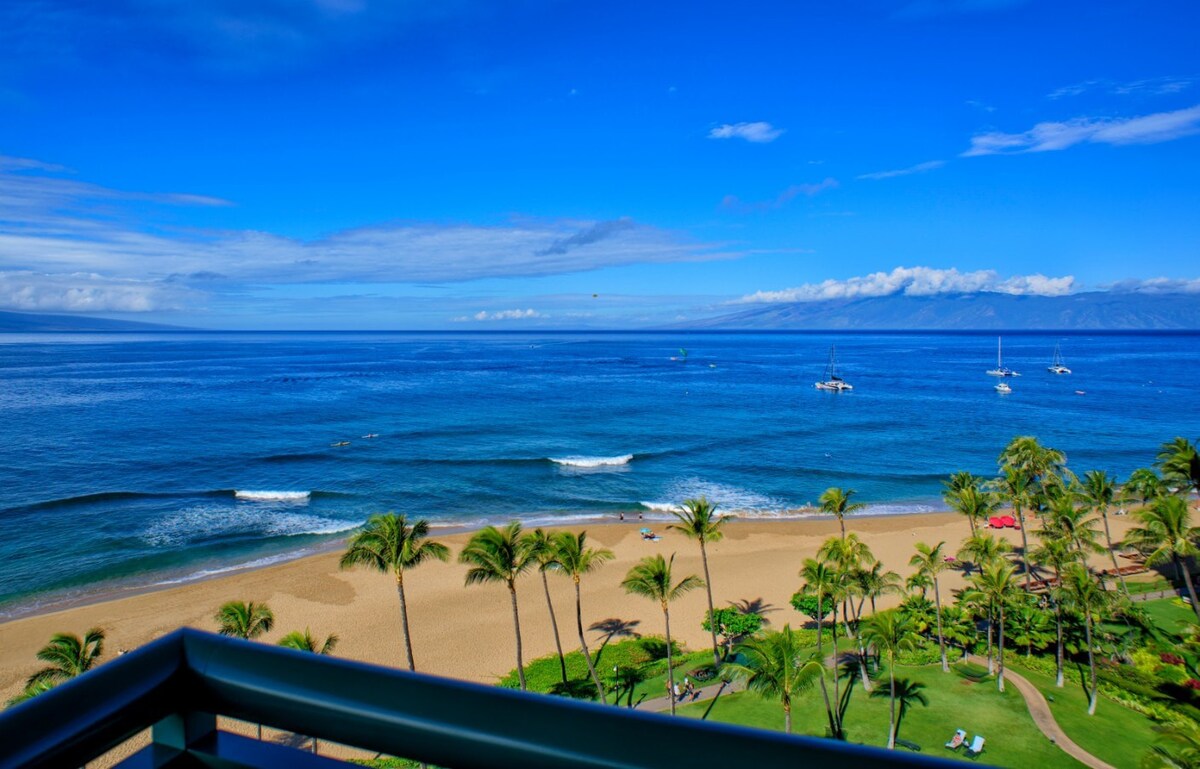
(993, 588)
(974, 502)
(963, 479)
(890, 632)
(872, 582)
(1057, 553)
(848, 554)
(983, 549)
(930, 562)
(1017, 486)
(698, 520)
(651, 578)
(574, 558)
(244, 620)
(821, 582)
(66, 656)
(389, 544)
(1073, 524)
(306, 642)
(1099, 492)
(836, 502)
(1168, 534)
(543, 552)
(1144, 485)
(1180, 465)
(776, 667)
(501, 555)
(1086, 596)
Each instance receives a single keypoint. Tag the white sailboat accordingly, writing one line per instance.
(1001, 369)
(1058, 367)
(832, 381)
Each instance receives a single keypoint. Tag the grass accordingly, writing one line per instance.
(1114, 734)
(1169, 613)
(954, 702)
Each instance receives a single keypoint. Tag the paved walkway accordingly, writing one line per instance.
(1039, 709)
(702, 694)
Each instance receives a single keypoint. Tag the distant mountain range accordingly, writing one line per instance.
(983, 311)
(24, 322)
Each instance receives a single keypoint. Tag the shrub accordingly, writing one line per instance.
(1170, 659)
(924, 653)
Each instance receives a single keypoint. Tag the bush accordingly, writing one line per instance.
(703, 673)
(923, 654)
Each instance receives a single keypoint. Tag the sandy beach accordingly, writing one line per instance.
(467, 632)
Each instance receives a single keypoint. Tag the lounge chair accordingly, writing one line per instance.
(957, 740)
(976, 746)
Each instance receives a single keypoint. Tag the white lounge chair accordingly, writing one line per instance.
(957, 740)
(976, 746)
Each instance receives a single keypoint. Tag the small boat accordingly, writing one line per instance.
(1057, 367)
(1001, 369)
(682, 356)
(1003, 388)
(832, 382)
(371, 435)
(337, 444)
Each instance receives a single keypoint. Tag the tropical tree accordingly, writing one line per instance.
(651, 578)
(983, 549)
(732, 624)
(992, 588)
(574, 558)
(930, 562)
(824, 584)
(1180, 465)
(1016, 484)
(244, 620)
(1178, 747)
(1144, 485)
(66, 655)
(836, 502)
(776, 667)
(872, 582)
(963, 479)
(306, 642)
(698, 520)
(958, 626)
(388, 543)
(973, 502)
(1099, 492)
(848, 554)
(890, 632)
(1072, 523)
(1086, 596)
(546, 557)
(1028, 470)
(500, 556)
(1167, 533)
(1057, 553)
(1029, 625)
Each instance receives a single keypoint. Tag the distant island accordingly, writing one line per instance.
(1092, 311)
(23, 322)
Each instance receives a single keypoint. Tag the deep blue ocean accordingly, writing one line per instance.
(132, 459)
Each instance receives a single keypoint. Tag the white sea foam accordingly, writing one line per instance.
(729, 499)
(624, 459)
(205, 523)
(257, 563)
(273, 496)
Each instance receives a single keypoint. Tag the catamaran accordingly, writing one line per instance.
(1001, 369)
(1058, 367)
(832, 381)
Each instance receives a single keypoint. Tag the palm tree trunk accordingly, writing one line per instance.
(1024, 547)
(971, 520)
(712, 625)
(1058, 651)
(670, 665)
(1187, 579)
(512, 591)
(587, 656)
(404, 620)
(1000, 678)
(1087, 626)
(837, 694)
(1112, 552)
(991, 634)
(892, 723)
(842, 523)
(937, 598)
(562, 661)
(787, 716)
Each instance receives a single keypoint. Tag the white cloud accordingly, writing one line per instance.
(808, 190)
(484, 315)
(917, 281)
(1044, 137)
(85, 292)
(1153, 86)
(758, 132)
(1157, 286)
(917, 169)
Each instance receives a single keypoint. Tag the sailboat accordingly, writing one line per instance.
(1058, 367)
(1001, 369)
(832, 381)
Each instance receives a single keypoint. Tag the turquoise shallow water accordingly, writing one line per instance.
(133, 460)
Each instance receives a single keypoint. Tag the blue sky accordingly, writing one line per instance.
(539, 163)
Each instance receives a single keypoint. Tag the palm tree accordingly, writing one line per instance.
(848, 554)
(873, 582)
(993, 587)
(973, 501)
(1178, 747)
(67, 655)
(698, 520)
(891, 632)
(1087, 597)
(983, 549)
(836, 502)
(1143, 486)
(651, 578)
(305, 642)
(574, 558)
(543, 553)
(244, 620)
(1073, 524)
(821, 582)
(1168, 534)
(389, 543)
(775, 666)
(929, 562)
(1057, 553)
(1180, 465)
(1017, 486)
(963, 479)
(1099, 492)
(501, 555)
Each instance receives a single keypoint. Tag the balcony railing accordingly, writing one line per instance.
(178, 685)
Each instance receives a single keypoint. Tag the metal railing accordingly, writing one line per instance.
(178, 685)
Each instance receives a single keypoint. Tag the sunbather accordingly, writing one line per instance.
(957, 740)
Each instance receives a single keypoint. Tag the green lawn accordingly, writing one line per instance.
(1115, 734)
(1169, 613)
(1012, 738)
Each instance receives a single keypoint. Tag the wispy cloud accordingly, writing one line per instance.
(1045, 137)
(734, 203)
(917, 281)
(1154, 86)
(484, 315)
(588, 235)
(759, 132)
(1156, 286)
(917, 169)
(30, 291)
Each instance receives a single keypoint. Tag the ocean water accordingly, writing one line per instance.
(132, 460)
